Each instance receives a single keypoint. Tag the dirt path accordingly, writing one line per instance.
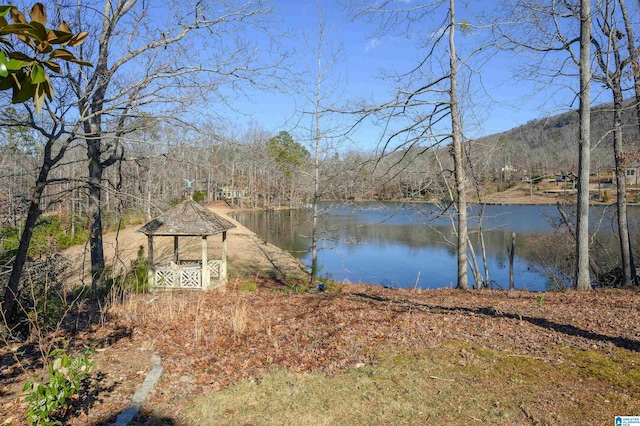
(248, 255)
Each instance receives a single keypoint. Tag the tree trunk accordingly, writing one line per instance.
(95, 213)
(316, 153)
(463, 279)
(33, 213)
(11, 292)
(583, 281)
(621, 188)
(512, 254)
(633, 54)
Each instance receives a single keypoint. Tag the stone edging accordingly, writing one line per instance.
(142, 393)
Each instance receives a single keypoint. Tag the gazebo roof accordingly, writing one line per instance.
(187, 218)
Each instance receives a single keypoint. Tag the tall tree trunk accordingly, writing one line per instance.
(621, 188)
(11, 292)
(96, 169)
(583, 281)
(463, 279)
(316, 152)
(633, 54)
(33, 213)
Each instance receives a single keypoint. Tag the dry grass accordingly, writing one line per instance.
(368, 355)
(454, 383)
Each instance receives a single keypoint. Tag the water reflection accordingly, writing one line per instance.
(407, 245)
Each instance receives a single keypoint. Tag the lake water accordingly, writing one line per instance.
(409, 245)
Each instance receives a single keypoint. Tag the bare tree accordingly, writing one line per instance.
(426, 106)
(583, 281)
(144, 63)
(633, 52)
(612, 64)
(547, 29)
(30, 81)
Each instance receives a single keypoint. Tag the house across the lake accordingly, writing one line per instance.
(631, 174)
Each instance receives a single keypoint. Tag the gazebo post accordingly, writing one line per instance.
(150, 269)
(205, 264)
(176, 258)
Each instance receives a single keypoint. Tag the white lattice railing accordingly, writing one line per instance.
(187, 274)
(216, 270)
(176, 276)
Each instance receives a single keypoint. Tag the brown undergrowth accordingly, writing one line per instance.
(485, 343)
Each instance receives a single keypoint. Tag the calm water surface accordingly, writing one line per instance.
(400, 245)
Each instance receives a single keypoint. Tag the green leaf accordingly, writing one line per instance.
(6, 83)
(37, 74)
(53, 66)
(38, 31)
(23, 93)
(58, 37)
(63, 54)
(15, 29)
(16, 65)
(4, 72)
(21, 56)
(4, 10)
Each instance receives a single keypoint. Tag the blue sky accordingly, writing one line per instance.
(364, 57)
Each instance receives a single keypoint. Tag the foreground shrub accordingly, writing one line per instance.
(47, 401)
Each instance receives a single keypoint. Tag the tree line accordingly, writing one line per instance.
(109, 127)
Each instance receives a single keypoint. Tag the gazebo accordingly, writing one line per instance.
(188, 219)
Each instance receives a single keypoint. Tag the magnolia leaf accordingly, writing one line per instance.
(4, 72)
(4, 10)
(25, 39)
(48, 87)
(78, 38)
(44, 47)
(17, 16)
(39, 14)
(6, 83)
(64, 27)
(53, 66)
(22, 93)
(37, 74)
(62, 54)
(21, 56)
(38, 98)
(38, 31)
(3, 21)
(15, 29)
(82, 63)
(65, 55)
(58, 37)
(16, 64)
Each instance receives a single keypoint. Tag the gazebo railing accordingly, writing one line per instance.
(178, 276)
(188, 274)
(216, 270)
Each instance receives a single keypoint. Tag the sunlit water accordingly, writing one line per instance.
(407, 245)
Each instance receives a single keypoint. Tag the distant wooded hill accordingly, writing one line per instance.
(549, 145)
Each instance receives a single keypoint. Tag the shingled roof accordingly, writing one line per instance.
(187, 218)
